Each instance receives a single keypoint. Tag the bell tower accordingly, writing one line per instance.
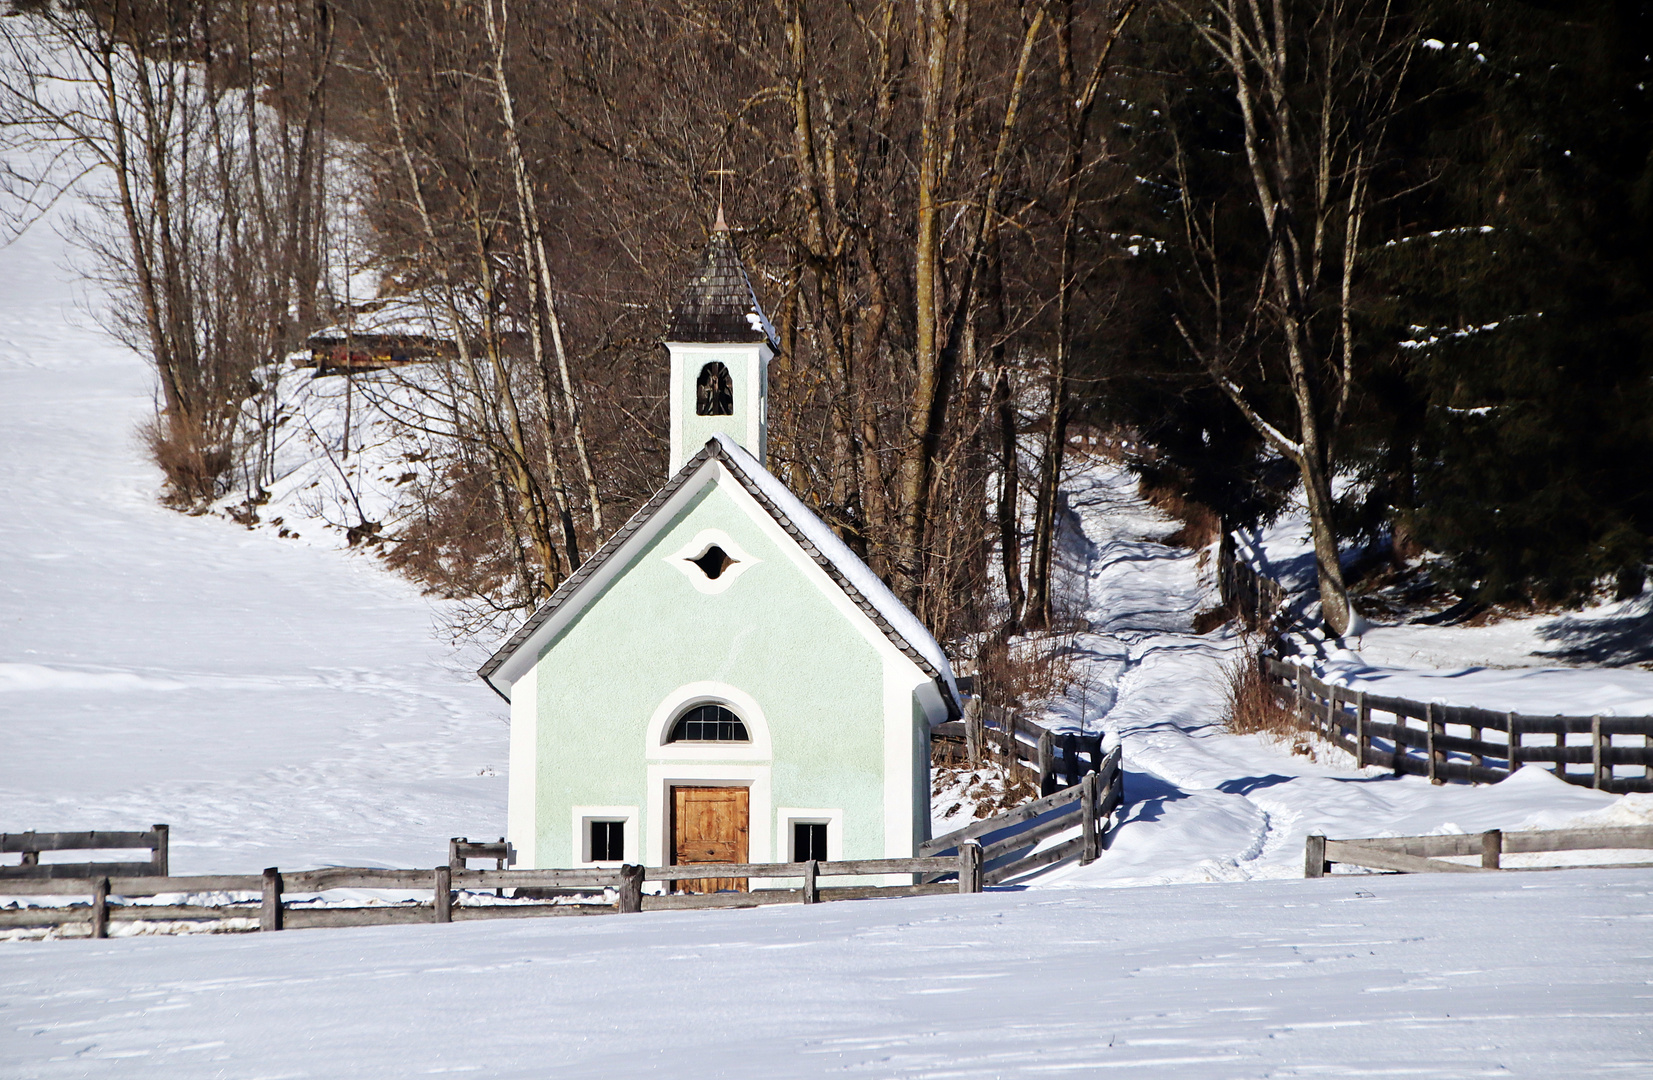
(720, 343)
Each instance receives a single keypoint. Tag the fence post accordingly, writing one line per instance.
(158, 858)
(1087, 813)
(1492, 847)
(1596, 754)
(970, 866)
(442, 902)
(1429, 739)
(1560, 748)
(1070, 759)
(100, 909)
(1515, 742)
(455, 863)
(1314, 856)
(1362, 714)
(1299, 672)
(630, 900)
(269, 915)
(1118, 798)
(1047, 770)
(811, 893)
(972, 732)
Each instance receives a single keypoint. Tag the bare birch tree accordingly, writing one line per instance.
(1316, 86)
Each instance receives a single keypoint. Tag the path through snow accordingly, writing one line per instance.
(1206, 805)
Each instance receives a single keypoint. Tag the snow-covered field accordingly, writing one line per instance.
(283, 703)
(1516, 975)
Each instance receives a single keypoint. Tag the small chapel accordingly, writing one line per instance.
(723, 680)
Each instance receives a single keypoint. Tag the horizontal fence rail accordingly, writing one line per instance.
(30, 845)
(1423, 854)
(986, 852)
(1009, 841)
(267, 901)
(1456, 742)
(1049, 759)
(1252, 597)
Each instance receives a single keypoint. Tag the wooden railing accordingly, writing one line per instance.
(1423, 854)
(986, 852)
(1009, 842)
(31, 844)
(1246, 594)
(1050, 759)
(269, 903)
(1455, 742)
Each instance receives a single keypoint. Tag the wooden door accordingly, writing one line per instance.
(709, 825)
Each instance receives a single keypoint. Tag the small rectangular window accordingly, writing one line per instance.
(608, 841)
(809, 841)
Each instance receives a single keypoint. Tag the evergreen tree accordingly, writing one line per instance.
(1532, 312)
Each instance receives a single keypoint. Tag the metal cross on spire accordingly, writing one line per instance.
(721, 226)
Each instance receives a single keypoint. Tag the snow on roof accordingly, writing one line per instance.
(813, 535)
(835, 551)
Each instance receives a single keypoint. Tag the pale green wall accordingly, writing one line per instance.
(773, 634)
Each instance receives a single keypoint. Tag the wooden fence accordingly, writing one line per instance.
(1423, 854)
(1051, 760)
(1009, 844)
(272, 898)
(1246, 594)
(986, 852)
(1455, 742)
(31, 844)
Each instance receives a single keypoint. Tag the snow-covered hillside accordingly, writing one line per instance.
(1597, 660)
(275, 703)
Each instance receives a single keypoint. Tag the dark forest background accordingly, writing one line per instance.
(1395, 256)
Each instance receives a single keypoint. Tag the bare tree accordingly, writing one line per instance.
(1078, 104)
(1316, 86)
(214, 196)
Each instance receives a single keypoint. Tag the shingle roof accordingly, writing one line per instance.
(719, 305)
(864, 590)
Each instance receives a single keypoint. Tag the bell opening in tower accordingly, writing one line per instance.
(714, 391)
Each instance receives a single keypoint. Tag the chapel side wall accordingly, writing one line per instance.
(772, 633)
(523, 775)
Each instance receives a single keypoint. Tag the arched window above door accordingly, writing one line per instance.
(709, 723)
(714, 391)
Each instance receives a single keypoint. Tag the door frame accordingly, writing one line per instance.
(760, 811)
(742, 884)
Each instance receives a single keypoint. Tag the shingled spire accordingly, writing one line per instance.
(720, 346)
(719, 305)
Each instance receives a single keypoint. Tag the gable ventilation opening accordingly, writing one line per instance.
(714, 562)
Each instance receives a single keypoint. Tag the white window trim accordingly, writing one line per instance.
(585, 815)
(679, 701)
(705, 539)
(787, 816)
